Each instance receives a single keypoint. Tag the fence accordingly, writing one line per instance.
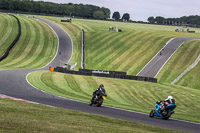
(103, 73)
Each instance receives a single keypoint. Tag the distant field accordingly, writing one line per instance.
(127, 94)
(180, 61)
(8, 31)
(36, 47)
(26, 117)
(127, 51)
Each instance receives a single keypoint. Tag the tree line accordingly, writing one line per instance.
(116, 16)
(41, 7)
(193, 20)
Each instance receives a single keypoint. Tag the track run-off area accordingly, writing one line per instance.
(14, 84)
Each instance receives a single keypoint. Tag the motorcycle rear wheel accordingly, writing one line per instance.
(166, 117)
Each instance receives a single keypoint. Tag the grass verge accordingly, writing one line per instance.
(19, 116)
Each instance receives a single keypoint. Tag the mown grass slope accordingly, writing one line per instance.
(8, 32)
(180, 61)
(126, 94)
(127, 51)
(36, 47)
(21, 117)
(130, 50)
(191, 79)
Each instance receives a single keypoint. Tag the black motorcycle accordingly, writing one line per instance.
(98, 98)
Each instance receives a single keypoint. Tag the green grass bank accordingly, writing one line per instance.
(130, 50)
(8, 31)
(191, 79)
(180, 61)
(21, 117)
(126, 94)
(127, 51)
(36, 47)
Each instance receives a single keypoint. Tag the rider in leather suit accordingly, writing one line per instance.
(98, 92)
(165, 102)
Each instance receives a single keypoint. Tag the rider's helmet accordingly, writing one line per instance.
(170, 97)
(101, 86)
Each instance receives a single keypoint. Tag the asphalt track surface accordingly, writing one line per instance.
(13, 83)
(161, 58)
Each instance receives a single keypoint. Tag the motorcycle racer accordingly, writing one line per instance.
(98, 91)
(165, 102)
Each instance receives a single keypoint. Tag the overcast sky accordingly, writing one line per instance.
(142, 9)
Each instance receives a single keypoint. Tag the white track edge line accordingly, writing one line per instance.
(156, 55)
(81, 101)
(102, 106)
(58, 43)
(169, 59)
(70, 40)
(171, 56)
(50, 93)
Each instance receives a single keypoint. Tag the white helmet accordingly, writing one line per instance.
(170, 97)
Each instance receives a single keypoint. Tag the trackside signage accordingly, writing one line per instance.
(102, 72)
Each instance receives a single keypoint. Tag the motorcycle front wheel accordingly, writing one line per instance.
(99, 102)
(151, 114)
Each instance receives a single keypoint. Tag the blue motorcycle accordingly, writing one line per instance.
(164, 114)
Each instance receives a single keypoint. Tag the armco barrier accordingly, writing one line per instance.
(108, 74)
(14, 42)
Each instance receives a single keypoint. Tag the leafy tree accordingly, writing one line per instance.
(116, 16)
(79, 10)
(151, 20)
(192, 20)
(126, 17)
(159, 20)
(99, 15)
(106, 12)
